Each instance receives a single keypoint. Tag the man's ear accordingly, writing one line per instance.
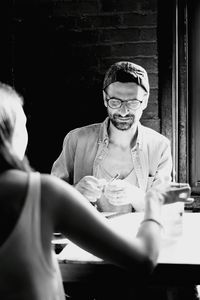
(104, 99)
(145, 101)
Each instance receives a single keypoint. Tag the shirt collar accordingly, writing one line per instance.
(103, 133)
(139, 137)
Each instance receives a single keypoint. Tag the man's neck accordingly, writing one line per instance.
(123, 138)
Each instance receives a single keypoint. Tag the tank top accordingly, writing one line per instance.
(25, 273)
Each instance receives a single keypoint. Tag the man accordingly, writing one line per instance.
(115, 162)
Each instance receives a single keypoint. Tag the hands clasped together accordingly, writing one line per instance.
(118, 192)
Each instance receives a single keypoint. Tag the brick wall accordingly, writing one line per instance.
(63, 57)
(97, 33)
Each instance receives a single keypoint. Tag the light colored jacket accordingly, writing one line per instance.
(85, 147)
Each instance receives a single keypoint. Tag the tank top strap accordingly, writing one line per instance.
(34, 208)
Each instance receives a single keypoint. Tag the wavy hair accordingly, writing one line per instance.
(8, 100)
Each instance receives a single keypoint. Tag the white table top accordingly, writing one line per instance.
(180, 241)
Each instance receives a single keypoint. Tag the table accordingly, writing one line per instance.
(178, 262)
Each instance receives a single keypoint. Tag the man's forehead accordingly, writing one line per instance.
(125, 87)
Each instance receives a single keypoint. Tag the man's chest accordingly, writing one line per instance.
(118, 161)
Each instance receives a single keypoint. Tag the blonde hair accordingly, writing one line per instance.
(9, 105)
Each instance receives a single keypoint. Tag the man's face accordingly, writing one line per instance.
(130, 112)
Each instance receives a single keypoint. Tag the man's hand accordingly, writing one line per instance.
(121, 192)
(90, 187)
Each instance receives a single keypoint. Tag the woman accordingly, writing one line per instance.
(34, 205)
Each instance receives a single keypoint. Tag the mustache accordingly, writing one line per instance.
(120, 116)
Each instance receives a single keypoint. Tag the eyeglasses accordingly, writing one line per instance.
(116, 103)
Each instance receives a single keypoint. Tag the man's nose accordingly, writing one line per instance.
(124, 109)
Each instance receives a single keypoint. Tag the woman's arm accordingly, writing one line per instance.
(71, 214)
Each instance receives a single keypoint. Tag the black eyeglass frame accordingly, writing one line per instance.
(122, 101)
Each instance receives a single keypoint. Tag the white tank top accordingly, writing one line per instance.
(25, 274)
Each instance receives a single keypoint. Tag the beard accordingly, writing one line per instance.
(122, 123)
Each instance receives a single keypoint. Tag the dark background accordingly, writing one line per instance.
(55, 53)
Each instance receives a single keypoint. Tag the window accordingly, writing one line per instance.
(179, 74)
(193, 8)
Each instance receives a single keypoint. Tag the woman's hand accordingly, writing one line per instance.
(176, 192)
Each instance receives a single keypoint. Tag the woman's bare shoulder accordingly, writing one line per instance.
(56, 197)
(54, 186)
(13, 180)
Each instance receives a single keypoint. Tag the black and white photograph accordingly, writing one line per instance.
(99, 150)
